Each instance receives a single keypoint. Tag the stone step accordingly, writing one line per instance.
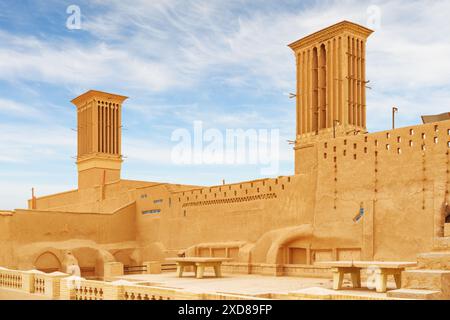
(434, 260)
(441, 243)
(434, 280)
(418, 294)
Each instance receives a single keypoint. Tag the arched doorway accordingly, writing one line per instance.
(87, 260)
(47, 262)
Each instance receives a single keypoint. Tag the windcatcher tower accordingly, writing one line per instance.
(331, 87)
(99, 158)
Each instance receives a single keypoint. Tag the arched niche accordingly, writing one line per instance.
(47, 262)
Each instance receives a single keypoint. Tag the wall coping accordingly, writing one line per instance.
(27, 211)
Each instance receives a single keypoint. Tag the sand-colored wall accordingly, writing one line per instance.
(102, 198)
(399, 176)
(6, 245)
(31, 227)
(242, 211)
(149, 230)
(221, 215)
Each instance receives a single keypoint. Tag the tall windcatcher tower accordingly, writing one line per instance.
(331, 87)
(99, 158)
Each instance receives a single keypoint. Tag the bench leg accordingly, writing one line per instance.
(200, 271)
(356, 279)
(180, 271)
(381, 281)
(218, 271)
(338, 278)
(195, 270)
(398, 279)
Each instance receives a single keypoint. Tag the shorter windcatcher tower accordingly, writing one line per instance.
(99, 158)
(331, 85)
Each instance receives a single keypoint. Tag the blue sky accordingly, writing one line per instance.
(225, 63)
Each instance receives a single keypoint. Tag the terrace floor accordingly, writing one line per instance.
(257, 286)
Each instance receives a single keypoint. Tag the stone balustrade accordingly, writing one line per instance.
(39, 283)
(10, 279)
(33, 282)
(65, 287)
(133, 292)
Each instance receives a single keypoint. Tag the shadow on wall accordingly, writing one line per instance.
(268, 248)
(128, 257)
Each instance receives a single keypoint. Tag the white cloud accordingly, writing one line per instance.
(67, 63)
(14, 108)
(159, 45)
(142, 150)
(154, 47)
(25, 143)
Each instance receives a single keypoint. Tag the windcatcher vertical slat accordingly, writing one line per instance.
(99, 137)
(331, 97)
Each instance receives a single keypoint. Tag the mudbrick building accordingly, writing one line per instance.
(398, 179)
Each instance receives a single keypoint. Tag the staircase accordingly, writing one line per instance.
(430, 281)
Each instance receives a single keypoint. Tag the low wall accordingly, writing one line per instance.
(32, 282)
(28, 226)
(36, 285)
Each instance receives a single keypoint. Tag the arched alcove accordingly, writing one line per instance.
(47, 262)
(125, 257)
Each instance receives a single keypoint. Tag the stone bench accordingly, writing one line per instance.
(382, 270)
(199, 264)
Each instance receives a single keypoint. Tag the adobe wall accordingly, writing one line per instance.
(6, 247)
(25, 228)
(223, 214)
(399, 176)
(160, 199)
(96, 199)
(243, 211)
